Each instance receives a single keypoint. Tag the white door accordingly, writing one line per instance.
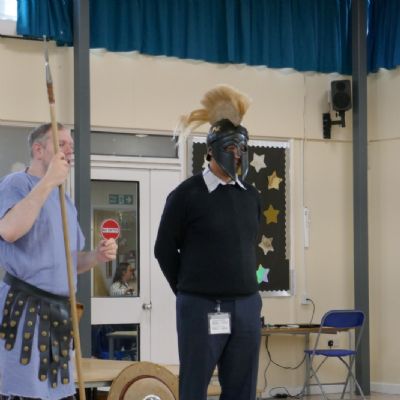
(134, 194)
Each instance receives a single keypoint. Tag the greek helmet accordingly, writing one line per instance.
(224, 108)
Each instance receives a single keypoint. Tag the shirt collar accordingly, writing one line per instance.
(212, 181)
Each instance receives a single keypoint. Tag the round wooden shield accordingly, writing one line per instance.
(144, 381)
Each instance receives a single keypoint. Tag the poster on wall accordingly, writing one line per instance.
(268, 172)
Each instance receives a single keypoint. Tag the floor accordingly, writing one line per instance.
(372, 396)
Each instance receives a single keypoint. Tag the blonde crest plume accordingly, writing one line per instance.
(222, 102)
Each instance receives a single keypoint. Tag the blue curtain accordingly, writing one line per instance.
(53, 18)
(307, 35)
(384, 35)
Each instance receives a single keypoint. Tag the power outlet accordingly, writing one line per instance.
(304, 299)
(333, 343)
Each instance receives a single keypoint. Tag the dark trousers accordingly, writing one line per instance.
(235, 354)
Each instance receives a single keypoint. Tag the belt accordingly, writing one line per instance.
(53, 313)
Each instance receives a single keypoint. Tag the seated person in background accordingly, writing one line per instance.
(123, 274)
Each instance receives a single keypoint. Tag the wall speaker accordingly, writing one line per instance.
(341, 95)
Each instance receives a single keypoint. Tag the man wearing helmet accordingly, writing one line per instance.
(206, 249)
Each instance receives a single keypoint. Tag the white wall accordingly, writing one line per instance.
(130, 91)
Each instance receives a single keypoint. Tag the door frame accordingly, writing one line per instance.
(131, 310)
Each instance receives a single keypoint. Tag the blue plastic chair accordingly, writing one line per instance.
(346, 320)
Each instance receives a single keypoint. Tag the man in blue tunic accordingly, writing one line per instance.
(35, 331)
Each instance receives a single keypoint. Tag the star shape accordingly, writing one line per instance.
(265, 277)
(271, 215)
(274, 181)
(266, 244)
(262, 274)
(258, 162)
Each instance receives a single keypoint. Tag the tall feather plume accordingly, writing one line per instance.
(222, 102)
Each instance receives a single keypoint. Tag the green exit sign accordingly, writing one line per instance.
(118, 199)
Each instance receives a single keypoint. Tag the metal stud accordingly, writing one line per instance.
(54, 385)
(64, 353)
(54, 371)
(42, 347)
(55, 343)
(32, 310)
(5, 312)
(29, 323)
(55, 323)
(2, 335)
(45, 316)
(8, 346)
(12, 336)
(24, 361)
(44, 361)
(20, 302)
(26, 348)
(17, 313)
(27, 335)
(13, 323)
(44, 333)
(43, 377)
(10, 295)
(65, 381)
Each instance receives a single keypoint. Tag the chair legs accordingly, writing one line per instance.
(350, 375)
(312, 373)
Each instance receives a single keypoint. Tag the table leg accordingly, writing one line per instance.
(307, 376)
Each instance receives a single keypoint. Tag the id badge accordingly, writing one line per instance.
(219, 323)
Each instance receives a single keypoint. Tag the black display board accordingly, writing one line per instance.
(267, 172)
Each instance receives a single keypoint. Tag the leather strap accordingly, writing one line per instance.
(54, 330)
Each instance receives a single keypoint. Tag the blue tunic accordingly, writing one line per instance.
(39, 259)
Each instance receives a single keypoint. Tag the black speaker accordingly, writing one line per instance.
(341, 95)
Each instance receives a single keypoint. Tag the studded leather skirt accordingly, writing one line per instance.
(52, 313)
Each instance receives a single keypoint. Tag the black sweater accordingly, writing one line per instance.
(206, 242)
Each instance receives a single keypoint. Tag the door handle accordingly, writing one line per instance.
(147, 306)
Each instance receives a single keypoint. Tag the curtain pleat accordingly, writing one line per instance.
(306, 35)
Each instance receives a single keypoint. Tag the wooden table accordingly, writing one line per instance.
(98, 373)
(294, 329)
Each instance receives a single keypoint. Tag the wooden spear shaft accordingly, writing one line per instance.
(61, 192)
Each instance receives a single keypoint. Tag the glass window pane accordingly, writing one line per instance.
(138, 145)
(116, 341)
(117, 201)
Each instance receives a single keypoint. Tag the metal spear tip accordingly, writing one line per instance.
(46, 51)
(49, 79)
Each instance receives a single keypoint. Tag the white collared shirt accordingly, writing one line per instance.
(212, 181)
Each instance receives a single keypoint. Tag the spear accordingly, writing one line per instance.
(61, 192)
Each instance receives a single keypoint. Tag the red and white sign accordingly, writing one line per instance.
(110, 229)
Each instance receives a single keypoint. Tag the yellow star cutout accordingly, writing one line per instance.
(274, 181)
(271, 215)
